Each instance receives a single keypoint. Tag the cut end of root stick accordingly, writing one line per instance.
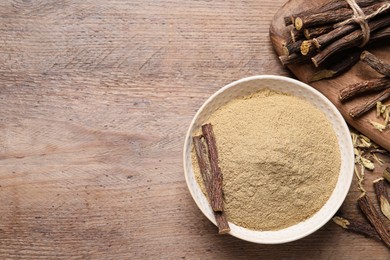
(285, 50)
(222, 223)
(298, 23)
(306, 47)
(316, 43)
(363, 55)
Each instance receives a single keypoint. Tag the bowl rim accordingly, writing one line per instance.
(307, 87)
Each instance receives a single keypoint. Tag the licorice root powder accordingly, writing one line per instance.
(279, 158)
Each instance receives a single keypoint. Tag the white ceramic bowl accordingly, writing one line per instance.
(250, 85)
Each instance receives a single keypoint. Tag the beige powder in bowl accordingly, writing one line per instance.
(279, 159)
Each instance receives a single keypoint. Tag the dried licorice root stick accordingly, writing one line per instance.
(382, 196)
(372, 215)
(319, 19)
(291, 47)
(332, 5)
(360, 110)
(338, 67)
(296, 35)
(293, 58)
(380, 35)
(332, 16)
(208, 134)
(366, 86)
(205, 170)
(356, 226)
(375, 63)
(323, 40)
(311, 33)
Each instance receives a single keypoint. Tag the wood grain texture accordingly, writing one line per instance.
(95, 100)
(330, 88)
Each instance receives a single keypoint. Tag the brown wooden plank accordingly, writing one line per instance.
(95, 100)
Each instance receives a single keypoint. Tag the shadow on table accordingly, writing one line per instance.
(321, 244)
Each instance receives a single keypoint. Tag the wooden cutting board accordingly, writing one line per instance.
(330, 88)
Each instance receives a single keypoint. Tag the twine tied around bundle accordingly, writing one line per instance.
(360, 18)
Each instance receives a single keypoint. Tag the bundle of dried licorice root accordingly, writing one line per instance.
(331, 37)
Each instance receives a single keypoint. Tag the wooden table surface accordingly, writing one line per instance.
(95, 100)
